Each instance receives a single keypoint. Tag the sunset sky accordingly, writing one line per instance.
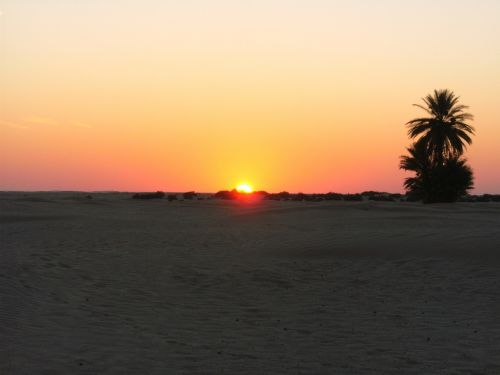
(297, 95)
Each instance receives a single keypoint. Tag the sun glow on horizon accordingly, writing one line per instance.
(299, 96)
(244, 188)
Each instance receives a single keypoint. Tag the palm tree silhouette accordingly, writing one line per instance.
(435, 182)
(441, 173)
(416, 161)
(445, 133)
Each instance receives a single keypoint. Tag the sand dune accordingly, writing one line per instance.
(111, 285)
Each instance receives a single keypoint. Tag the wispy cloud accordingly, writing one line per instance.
(81, 124)
(14, 125)
(25, 123)
(38, 120)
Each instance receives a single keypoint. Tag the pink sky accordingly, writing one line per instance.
(295, 95)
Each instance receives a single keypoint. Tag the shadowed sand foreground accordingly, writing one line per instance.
(113, 286)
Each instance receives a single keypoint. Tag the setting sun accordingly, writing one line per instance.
(244, 188)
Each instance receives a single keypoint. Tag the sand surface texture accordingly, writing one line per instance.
(112, 285)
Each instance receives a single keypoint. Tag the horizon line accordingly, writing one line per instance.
(208, 192)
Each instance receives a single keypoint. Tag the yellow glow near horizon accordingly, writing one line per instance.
(244, 188)
(305, 96)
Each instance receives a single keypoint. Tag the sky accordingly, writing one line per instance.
(296, 95)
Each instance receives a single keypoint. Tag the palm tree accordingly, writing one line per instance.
(441, 173)
(445, 133)
(416, 161)
(435, 182)
(450, 181)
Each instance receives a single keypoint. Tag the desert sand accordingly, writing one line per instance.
(112, 285)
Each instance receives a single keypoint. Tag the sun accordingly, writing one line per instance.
(244, 188)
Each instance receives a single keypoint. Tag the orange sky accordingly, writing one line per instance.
(299, 95)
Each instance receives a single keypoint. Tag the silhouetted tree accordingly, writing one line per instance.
(435, 183)
(449, 181)
(441, 174)
(445, 132)
(417, 161)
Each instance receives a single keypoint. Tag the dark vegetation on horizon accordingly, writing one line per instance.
(301, 197)
(157, 195)
(297, 197)
(441, 173)
(190, 195)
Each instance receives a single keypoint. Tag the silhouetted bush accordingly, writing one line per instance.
(261, 193)
(283, 195)
(172, 197)
(333, 197)
(371, 193)
(384, 198)
(482, 198)
(381, 198)
(225, 194)
(396, 196)
(353, 197)
(157, 195)
(299, 197)
(189, 195)
(273, 197)
(492, 198)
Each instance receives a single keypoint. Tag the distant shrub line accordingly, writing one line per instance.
(190, 195)
(376, 196)
(157, 195)
(297, 197)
